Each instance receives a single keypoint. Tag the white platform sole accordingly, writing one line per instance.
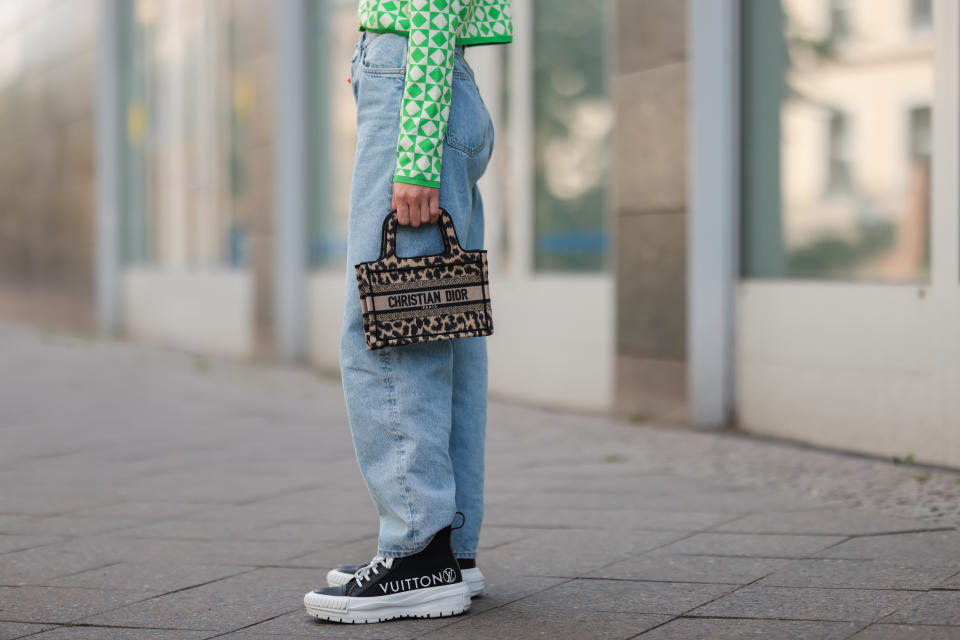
(473, 578)
(432, 602)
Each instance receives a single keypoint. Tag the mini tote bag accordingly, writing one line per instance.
(424, 298)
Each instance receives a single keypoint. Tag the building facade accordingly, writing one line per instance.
(186, 169)
(841, 282)
(708, 212)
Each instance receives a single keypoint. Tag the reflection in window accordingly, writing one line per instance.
(828, 191)
(838, 153)
(48, 63)
(921, 14)
(840, 18)
(199, 128)
(920, 118)
(572, 121)
(333, 123)
(920, 127)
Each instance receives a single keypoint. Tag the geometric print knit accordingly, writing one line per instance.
(433, 29)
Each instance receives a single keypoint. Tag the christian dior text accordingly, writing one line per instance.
(425, 298)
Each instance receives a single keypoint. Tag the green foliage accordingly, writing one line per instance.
(832, 254)
(201, 364)
(570, 70)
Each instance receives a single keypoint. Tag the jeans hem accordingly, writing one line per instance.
(399, 553)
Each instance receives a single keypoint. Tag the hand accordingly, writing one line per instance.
(415, 204)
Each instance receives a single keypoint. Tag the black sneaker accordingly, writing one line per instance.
(428, 584)
(468, 567)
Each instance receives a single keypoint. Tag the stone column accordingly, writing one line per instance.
(650, 207)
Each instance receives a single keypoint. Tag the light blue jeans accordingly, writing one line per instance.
(417, 412)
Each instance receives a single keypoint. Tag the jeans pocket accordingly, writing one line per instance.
(468, 123)
(384, 54)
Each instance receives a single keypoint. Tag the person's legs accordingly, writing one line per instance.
(469, 416)
(467, 152)
(400, 400)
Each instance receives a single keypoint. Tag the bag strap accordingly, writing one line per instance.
(388, 238)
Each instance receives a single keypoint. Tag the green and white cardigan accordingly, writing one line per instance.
(434, 28)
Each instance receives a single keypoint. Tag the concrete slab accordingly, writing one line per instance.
(516, 622)
(853, 605)
(42, 564)
(107, 633)
(154, 577)
(935, 607)
(225, 605)
(624, 596)
(952, 583)
(931, 545)
(514, 561)
(186, 501)
(907, 632)
(690, 568)
(10, 543)
(297, 624)
(751, 545)
(14, 630)
(62, 525)
(714, 629)
(861, 574)
(835, 521)
(56, 604)
(622, 542)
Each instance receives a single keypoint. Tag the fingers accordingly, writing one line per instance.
(415, 213)
(415, 204)
(434, 206)
(415, 217)
(403, 212)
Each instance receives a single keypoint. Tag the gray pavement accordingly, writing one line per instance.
(152, 494)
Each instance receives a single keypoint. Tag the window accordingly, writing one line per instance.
(839, 19)
(917, 208)
(831, 192)
(572, 125)
(921, 14)
(199, 120)
(920, 125)
(838, 154)
(333, 129)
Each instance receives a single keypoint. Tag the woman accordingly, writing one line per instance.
(417, 412)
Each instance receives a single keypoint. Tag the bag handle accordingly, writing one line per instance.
(388, 239)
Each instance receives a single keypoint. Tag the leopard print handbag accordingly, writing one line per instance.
(424, 298)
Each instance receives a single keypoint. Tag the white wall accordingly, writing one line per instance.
(553, 341)
(856, 367)
(207, 311)
(325, 295)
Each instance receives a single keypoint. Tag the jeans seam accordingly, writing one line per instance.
(384, 72)
(398, 435)
(461, 147)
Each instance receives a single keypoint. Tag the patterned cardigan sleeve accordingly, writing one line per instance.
(425, 106)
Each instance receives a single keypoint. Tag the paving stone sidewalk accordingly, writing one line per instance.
(151, 494)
